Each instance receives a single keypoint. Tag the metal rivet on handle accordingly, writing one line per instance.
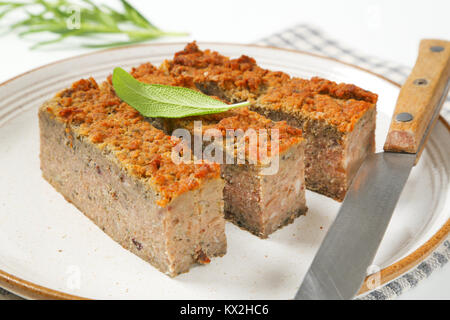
(437, 48)
(420, 82)
(404, 117)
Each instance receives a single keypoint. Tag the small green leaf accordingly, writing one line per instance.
(51, 16)
(11, 3)
(155, 100)
(136, 16)
(5, 12)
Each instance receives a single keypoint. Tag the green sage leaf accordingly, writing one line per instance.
(155, 100)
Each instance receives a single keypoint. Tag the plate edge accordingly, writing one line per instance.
(400, 267)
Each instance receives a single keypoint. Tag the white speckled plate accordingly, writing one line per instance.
(49, 249)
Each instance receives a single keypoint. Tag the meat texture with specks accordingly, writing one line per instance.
(171, 216)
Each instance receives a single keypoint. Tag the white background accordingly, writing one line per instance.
(388, 29)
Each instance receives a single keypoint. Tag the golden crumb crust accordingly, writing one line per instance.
(235, 119)
(340, 105)
(95, 112)
(250, 123)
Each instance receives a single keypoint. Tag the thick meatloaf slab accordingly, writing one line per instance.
(261, 194)
(338, 120)
(103, 157)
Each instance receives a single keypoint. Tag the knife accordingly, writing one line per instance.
(339, 267)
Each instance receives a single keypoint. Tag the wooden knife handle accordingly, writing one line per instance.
(420, 99)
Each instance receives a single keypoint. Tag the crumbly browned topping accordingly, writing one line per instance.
(235, 119)
(340, 105)
(244, 119)
(95, 112)
(150, 74)
(291, 98)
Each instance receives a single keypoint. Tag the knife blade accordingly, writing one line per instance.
(339, 268)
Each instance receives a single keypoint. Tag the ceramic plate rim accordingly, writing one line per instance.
(31, 290)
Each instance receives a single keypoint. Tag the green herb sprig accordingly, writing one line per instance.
(154, 100)
(96, 21)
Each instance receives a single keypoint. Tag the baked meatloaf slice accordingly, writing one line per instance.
(262, 191)
(338, 120)
(103, 157)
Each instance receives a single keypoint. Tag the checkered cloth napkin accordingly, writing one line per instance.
(307, 38)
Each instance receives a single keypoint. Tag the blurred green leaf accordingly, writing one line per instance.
(58, 17)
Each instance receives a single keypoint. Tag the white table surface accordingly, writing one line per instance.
(388, 29)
